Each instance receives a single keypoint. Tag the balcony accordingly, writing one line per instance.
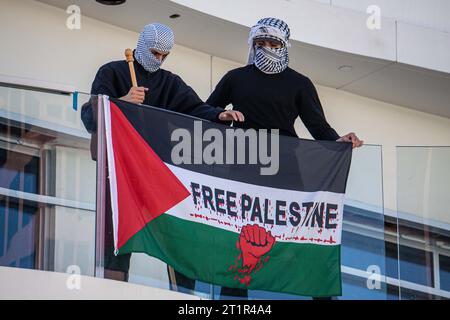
(49, 222)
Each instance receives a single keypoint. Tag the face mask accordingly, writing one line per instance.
(148, 61)
(154, 36)
(265, 59)
(271, 60)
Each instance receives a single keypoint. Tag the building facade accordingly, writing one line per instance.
(389, 85)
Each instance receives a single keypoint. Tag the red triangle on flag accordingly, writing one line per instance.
(146, 188)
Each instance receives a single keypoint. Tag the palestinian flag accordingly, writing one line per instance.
(182, 192)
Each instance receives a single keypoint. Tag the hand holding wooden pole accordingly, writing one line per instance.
(130, 60)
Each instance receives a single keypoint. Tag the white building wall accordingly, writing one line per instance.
(427, 13)
(39, 46)
(312, 23)
(406, 27)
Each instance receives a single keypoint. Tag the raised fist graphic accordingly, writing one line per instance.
(254, 242)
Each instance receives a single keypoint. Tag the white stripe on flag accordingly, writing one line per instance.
(302, 233)
(111, 170)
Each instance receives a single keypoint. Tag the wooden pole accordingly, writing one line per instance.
(130, 60)
(172, 278)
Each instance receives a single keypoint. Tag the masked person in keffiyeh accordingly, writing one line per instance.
(157, 87)
(271, 95)
(272, 58)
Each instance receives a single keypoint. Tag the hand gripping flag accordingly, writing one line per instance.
(223, 222)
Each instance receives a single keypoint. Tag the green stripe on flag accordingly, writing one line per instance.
(200, 251)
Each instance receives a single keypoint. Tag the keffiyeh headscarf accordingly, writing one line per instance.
(269, 60)
(153, 36)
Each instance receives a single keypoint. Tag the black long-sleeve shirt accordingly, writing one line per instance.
(166, 90)
(273, 101)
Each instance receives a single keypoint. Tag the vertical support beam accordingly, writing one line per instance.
(46, 214)
(436, 268)
(101, 187)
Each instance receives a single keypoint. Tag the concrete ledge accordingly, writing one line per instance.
(27, 284)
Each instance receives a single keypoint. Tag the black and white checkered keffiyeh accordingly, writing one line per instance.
(269, 60)
(153, 36)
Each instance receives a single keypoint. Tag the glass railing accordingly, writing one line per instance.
(423, 183)
(47, 183)
(48, 220)
(363, 235)
(363, 242)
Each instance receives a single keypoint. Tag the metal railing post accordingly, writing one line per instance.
(101, 191)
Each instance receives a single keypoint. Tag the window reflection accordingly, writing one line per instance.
(444, 272)
(19, 172)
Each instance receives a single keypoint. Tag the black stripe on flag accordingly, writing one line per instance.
(304, 165)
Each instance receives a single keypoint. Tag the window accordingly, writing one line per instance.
(444, 272)
(360, 251)
(415, 265)
(20, 172)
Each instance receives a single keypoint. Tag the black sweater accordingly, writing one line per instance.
(273, 101)
(166, 90)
